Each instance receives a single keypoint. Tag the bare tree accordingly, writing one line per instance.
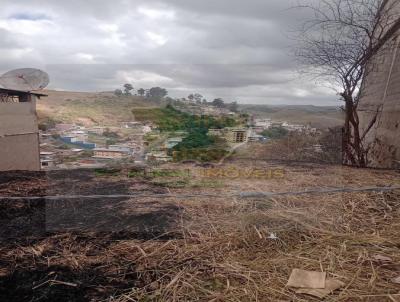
(337, 44)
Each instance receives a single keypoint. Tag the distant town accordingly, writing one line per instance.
(71, 145)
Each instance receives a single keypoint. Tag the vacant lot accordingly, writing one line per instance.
(189, 236)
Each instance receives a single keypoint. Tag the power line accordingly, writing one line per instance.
(239, 195)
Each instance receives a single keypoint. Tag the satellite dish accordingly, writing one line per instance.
(25, 79)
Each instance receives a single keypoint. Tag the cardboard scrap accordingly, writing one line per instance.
(330, 286)
(307, 279)
(313, 283)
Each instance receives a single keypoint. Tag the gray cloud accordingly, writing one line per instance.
(222, 48)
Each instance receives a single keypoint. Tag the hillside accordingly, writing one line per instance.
(104, 108)
(317, 116)
(89, 108)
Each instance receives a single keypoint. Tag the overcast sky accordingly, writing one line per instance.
(234, 49)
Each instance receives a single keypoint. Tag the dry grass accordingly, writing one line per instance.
(221, 250)
(89, 108)
(226, 255)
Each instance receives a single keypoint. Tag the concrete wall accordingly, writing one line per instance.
(19, 152)
(381, 98)
(19, 138)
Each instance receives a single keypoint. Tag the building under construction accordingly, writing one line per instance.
(232, 135)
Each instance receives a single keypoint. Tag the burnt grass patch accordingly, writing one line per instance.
(60, 283)
(57, 249)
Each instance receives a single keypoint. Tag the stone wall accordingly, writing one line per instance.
(380, 99)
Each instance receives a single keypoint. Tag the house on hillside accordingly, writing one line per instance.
(19, 133)
(216, 132)
(254, 138)
(103, 153)
(72, 140)
(232, 135)
(263, 123)
(172, 142)
(98, 130)
(47, 160)
(237, 135)
(158, 156)
(131, 125)
(123, 148)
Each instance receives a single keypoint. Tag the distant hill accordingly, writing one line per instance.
(317, 116)
(89, 108)
(104, 108)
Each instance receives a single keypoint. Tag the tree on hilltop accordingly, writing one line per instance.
(141, 91)
(127, 89)
(118, 92)
(157, 93)
(218, 103)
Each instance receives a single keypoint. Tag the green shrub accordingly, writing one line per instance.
(171, 119)
(275, 132)
(106, 172)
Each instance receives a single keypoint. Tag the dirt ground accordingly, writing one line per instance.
(190, 236)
